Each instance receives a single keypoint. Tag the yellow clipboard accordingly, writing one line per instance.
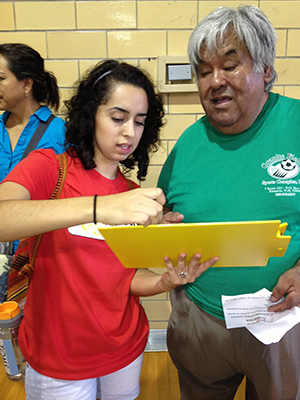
(238, 244)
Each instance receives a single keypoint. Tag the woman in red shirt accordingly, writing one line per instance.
(83, 322)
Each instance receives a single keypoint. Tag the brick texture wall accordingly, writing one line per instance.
(74, 35)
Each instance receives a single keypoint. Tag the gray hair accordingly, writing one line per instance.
(252, 28)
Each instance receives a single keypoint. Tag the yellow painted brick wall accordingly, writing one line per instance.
(72, 35)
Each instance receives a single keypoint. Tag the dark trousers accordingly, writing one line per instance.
(212, 360)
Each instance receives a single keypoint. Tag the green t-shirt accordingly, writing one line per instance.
(252, 176)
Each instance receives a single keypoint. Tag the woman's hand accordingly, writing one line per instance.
(149, 283)
(138, 206)
(182, 274)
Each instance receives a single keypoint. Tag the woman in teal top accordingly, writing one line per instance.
(26, 91)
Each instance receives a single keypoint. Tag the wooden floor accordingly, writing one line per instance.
(158, 381)
(10, 390)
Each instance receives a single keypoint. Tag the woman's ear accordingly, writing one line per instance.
(28, 83)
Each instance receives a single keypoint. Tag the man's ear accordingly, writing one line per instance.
(268, 74)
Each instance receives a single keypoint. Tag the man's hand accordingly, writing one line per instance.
(288, 284)
(172, 218)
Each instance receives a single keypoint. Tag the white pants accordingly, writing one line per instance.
(120, 385)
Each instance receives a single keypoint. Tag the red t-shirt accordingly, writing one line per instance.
(80, 320)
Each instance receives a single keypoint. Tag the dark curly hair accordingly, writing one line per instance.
(26, 63)
(95, 89)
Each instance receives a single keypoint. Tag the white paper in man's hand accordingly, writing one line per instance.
(251, 311)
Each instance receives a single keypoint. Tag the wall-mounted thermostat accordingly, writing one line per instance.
(179, 72)
(175, 75)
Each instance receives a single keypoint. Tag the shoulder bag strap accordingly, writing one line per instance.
(62, 171)
(40, 130)
(129, 183)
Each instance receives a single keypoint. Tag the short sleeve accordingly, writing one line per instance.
(37, 173)
(165, 175)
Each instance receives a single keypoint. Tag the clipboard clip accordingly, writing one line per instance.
(283, 241)
(281, 229)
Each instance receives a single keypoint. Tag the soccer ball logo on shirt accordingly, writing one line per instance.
(284, 169)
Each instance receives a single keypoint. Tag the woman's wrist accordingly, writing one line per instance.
(166, 285)
(94, 209)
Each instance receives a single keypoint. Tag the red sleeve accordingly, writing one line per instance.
(37, 173)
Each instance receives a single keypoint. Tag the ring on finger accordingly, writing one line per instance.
(182, 274)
